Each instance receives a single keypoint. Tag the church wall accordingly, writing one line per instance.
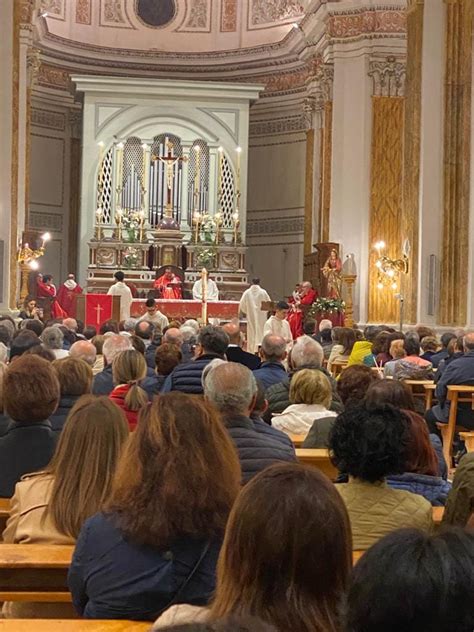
(6, 31)
(50, 183)
(276, 198)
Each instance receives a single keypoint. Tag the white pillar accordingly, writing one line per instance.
(6, 71)
(431, 150)
(350, 186)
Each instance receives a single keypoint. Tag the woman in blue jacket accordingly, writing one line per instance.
(157, 540)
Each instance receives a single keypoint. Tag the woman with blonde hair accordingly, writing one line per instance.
(128, 369)
(49, 507)
(157, 539)
(310, 398)
(286, 557)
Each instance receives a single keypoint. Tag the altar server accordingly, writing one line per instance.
(122, 290)
(278, 325)
(67, 295)
(212, 291)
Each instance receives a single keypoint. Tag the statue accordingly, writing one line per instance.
(332, 272)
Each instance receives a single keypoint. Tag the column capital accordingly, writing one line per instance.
(388, 77)
(33, 64)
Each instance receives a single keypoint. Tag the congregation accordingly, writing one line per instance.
(164, 452)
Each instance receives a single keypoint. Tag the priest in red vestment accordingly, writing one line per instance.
(46, 289)
(67, 295)
(307, 296)
(169, 285)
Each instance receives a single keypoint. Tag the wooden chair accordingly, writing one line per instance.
(418, 388)
(337, 368)
(4, 513)
(456, 395)
(297, 440)
(468, 438)
(429, 395)
(34, 572)
(73, 625)
(318, 458)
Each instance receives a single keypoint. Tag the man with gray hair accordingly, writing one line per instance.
(458, 372)
(212, 343)
(53, 339)
(173, 336)
(84, 350)
(306, 353)
(103, 383)
(273, 353)
(232, 389)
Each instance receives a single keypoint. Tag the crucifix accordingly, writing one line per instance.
(169, 161)
(98, 309)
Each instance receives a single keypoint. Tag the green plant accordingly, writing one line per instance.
(328, 305)
(205, 257)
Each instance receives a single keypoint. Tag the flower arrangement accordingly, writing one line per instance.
(130, 257)
(328, 305)
(131, 223)
(205, 257)
(208, 226)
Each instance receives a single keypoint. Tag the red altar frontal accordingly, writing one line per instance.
(225, 310)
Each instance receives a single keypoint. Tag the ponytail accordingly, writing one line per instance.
(136, 397)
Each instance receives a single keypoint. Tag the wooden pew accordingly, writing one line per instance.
(468, 438)
(34, 572)
(4, 511)
(297, 440)
(73, 625)
(429, 395)
(318, 458)
(337, 368)
(456, 395)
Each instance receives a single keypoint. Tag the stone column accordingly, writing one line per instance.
(75, 125)
(309, 107)
(388, 77)
(350, 186)
(457, 160)
(7, 195)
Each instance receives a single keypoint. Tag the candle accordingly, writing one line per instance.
(120, 147)
(239, 152)
(220, 172)
(197, 221)
(197, 177)
(146, 168)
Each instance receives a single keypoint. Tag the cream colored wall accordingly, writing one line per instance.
(6, 22)
(275, 211)
(49, 184)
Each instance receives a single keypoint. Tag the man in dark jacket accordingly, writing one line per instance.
(212, 343)
(305, 354)
(458, 372)
(30, 396)
(443, 353)
(234, 352)
(232, 389)
(273, 353)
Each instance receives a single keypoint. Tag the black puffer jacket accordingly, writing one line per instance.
(187, 377)
(278, 395)
(58, 418)
(258, 444)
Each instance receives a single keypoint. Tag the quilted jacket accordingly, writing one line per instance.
(434, 488)
(460, 505)
(187, 377)
(376, 510)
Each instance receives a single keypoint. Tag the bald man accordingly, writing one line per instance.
(84, 350)
(234, 352)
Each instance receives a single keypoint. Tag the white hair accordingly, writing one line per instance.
(52, 338)
(208, 368)
(129, 324)
(192, 324)
(113, 345)
(306, 351)
(230, 387)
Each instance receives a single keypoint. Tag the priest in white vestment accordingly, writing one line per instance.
(212, 293)
(121, 289)
(250, 305)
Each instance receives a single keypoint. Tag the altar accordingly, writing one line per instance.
(164, 181)
(182, 310)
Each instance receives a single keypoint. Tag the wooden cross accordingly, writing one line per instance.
(98, 309)
(169, 161)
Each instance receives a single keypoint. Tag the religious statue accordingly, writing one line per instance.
(332, 272)
(169, 285)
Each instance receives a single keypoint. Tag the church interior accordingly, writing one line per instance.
(237, 315)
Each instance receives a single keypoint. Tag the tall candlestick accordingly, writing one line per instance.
(197, 177)
(219, 172)
(120, 147)
(239, 152)
(235, 217)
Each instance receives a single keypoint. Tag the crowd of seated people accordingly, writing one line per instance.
(177, 480)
